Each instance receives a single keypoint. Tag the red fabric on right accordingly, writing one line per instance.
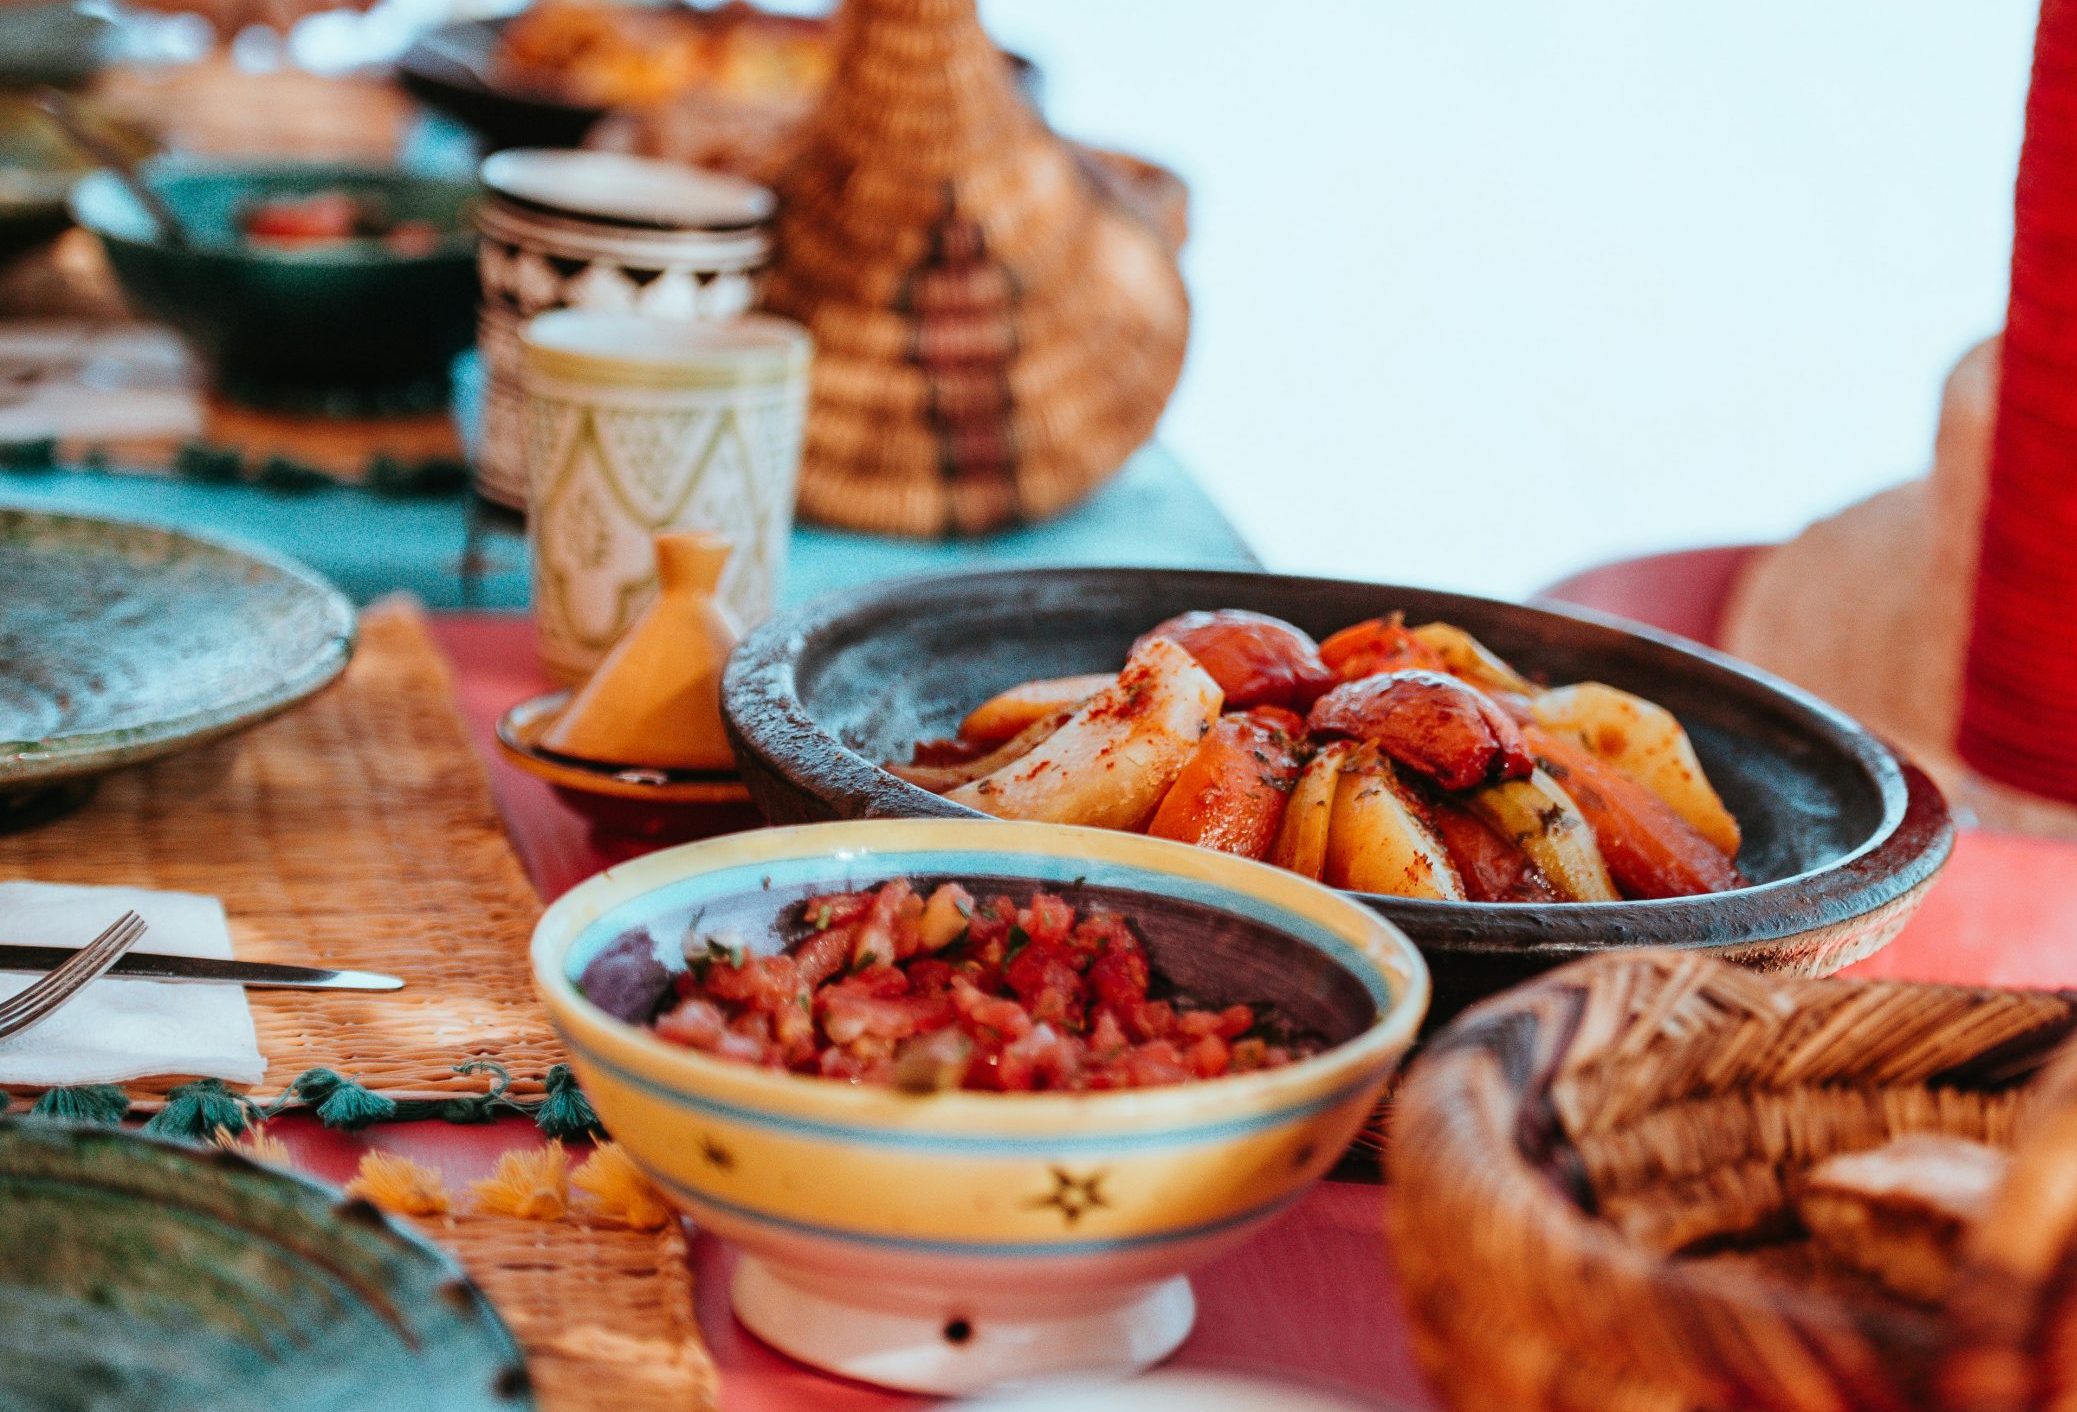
(2019, 699)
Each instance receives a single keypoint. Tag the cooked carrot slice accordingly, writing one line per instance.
(1378, 645)
(1232, 791)
(1651, 851)
(1494, 869)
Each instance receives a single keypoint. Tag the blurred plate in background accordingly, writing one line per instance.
(141, 1273)
(126, 642)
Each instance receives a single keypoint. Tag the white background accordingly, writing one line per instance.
(1490, 290)
(1487, 290)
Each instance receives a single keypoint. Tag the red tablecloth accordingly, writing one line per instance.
(1311, 1300)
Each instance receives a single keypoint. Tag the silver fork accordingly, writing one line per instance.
(42, 999)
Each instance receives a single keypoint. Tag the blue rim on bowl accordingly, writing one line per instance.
(947, 1240)
(837, 856)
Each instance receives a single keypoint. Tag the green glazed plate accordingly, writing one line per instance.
(137, 1273)
(124, 642)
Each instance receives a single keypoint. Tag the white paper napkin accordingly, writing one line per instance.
(120, 1029)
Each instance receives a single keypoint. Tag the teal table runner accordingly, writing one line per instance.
(450, 554)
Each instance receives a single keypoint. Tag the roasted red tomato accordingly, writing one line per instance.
(1280, 718)
(320, 216)
(1232, 791)
(1257, 660)
(1431, 723)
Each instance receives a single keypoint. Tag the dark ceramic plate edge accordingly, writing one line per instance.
(524, 713)
(347, 1208)
(94, 751)
(761, 702)
(499, 106)
(433, 61)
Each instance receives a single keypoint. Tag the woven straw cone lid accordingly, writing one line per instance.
(995, 330)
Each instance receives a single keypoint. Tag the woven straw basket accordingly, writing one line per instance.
(1565, 1157)
(998, 315)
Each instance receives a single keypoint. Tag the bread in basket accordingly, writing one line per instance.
(1594, 1180)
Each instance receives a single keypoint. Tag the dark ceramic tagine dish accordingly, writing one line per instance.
(1842, 838)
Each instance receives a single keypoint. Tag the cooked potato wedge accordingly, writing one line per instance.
(1643, 740)
(1008, 714)
(1301, 841)
(1650, 850)
(1377, 840)
(1111, 763)
(1465, 656)
(940, 778)
(1539, 816)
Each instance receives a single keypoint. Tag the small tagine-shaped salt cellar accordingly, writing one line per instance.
(996, 327)
(656, 699)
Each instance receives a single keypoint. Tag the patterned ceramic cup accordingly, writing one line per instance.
(605, 232)
(634, 425)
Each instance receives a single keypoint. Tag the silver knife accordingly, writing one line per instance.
(150, 966)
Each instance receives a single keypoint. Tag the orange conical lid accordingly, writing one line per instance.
(656, 699)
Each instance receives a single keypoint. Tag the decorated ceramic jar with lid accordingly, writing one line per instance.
(606, 232)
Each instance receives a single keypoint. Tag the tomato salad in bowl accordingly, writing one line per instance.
(931, 988)
(973, 1097)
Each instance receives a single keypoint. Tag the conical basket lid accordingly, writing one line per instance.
(995, 329)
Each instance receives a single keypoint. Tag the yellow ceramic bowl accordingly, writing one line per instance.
(952, 1241)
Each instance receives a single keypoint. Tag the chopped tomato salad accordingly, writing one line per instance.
(941, 990)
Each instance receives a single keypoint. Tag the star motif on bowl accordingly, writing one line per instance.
(1072, 1196)
(715, 1155)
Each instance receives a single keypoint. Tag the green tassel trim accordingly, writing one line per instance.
(86, 1103)
(198, 1111)
(211, 465)
(480, 1108)
(290, 476)
(341, 1103)
(39, 457)
(565, 1112)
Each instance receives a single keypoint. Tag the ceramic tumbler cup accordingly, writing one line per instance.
(606, 232)
(636, 425)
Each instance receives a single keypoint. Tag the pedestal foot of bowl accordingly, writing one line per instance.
(959, 1342)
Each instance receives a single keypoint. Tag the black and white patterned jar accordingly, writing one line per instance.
(606, 232)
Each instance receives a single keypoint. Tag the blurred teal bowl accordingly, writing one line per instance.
(352, 328)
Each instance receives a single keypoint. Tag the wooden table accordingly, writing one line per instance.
(1312, 1300)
